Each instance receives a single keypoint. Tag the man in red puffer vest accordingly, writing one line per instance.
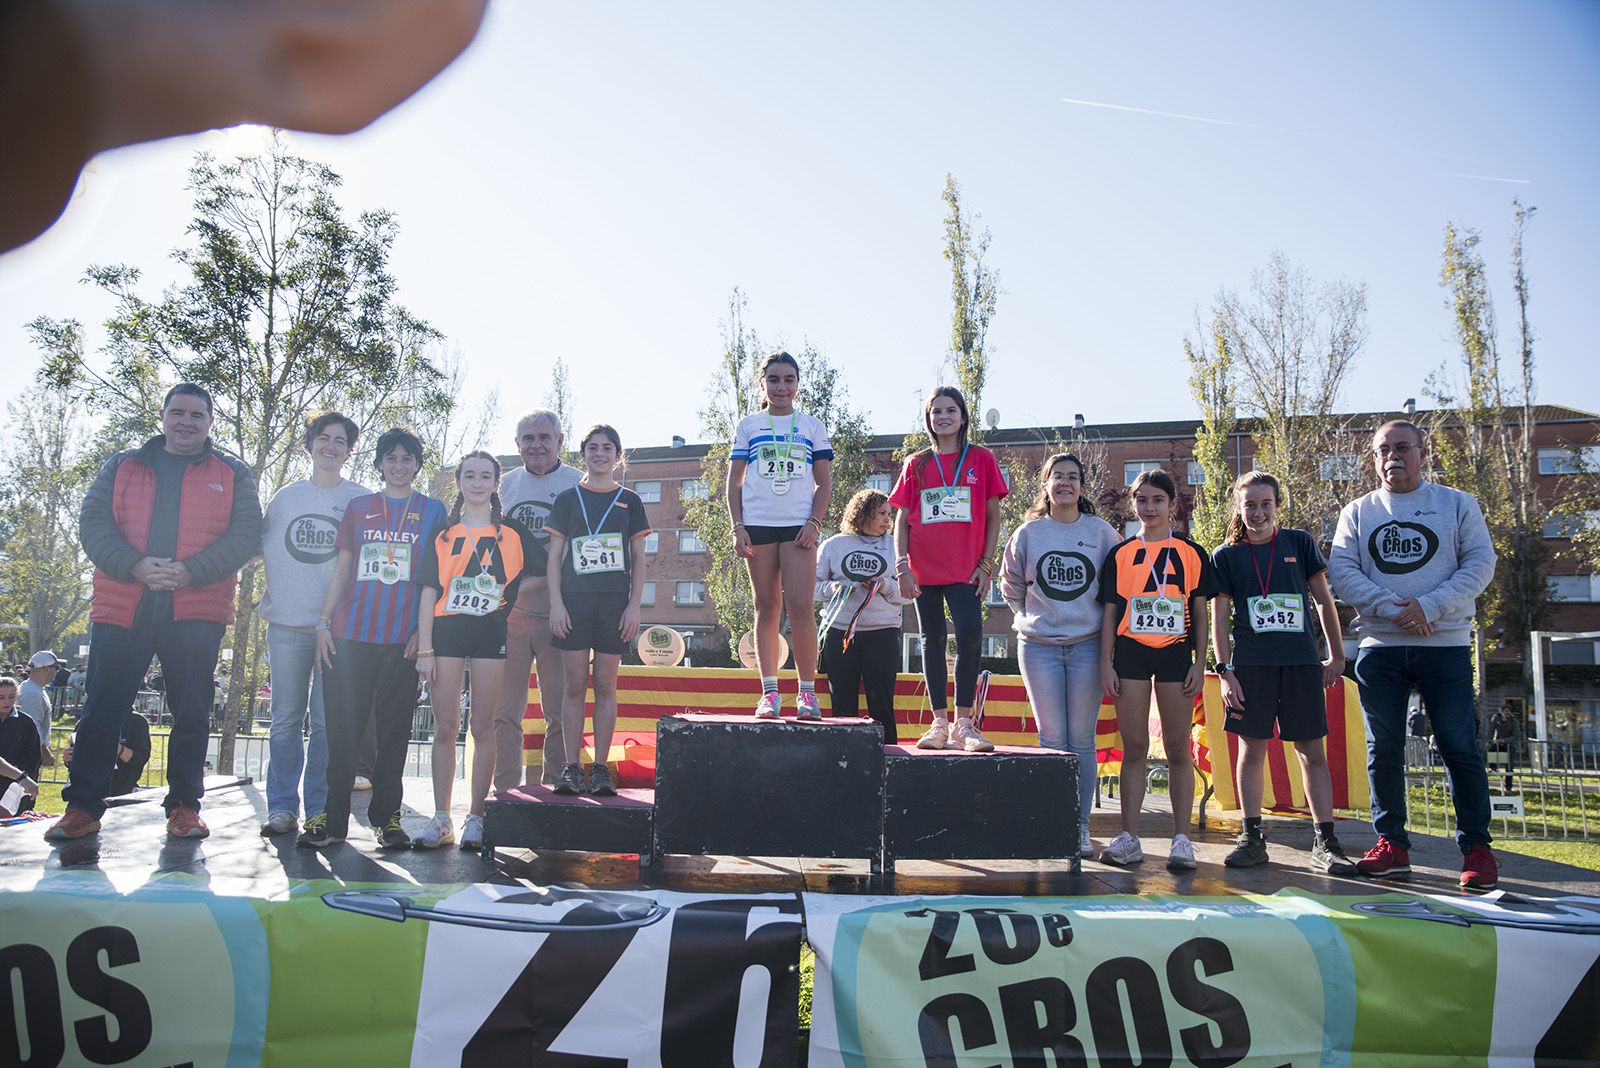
(168, 526)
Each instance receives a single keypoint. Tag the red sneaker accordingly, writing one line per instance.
(75, 824)
(1385, 860)
(1479, 869)
(186, 823)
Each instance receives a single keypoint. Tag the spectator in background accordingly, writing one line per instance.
(19, 752)
(133, 753)
(33, 697)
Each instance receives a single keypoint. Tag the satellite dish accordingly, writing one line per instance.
(992, 418)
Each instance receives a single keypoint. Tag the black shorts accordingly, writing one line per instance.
(773, 535)
(1134, 660)
(470, 637)
(596, 623)
(1290, 696)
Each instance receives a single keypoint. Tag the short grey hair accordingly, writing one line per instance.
(539, 415)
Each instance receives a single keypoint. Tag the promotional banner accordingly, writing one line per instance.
(174, 973)
(1288, 979)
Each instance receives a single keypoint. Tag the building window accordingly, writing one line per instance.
(881, 483)
(1572, 588)
(649, 492)
(652, 542)
(1570, 526)
(1569, 461)
(995, 645)
(1573, 652)
(689, 542)
(1130, 528)
(994, 596)
(1134, 468)
(649, 597)
(693, 489)
(690, 593)
(1197, 473)
(1340, 467)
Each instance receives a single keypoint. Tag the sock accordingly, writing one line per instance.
(1325, 830)
(1252, 826)
(441, 815)
(808, 687)
(939, 717)
(769, 684)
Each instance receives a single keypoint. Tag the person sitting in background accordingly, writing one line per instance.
(133, 753)
(19, 753)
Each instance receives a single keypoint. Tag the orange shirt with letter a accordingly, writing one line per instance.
(1150, 583)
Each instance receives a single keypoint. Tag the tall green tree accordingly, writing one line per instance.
(47, 467)
(974, 289)
(286, 307)
(734, 393)
(1211, 384)
(1483, 434)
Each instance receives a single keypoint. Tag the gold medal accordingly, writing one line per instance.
(389, 573)
(484, 583)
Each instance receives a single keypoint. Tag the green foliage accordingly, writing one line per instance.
(974, 288)
(1211, 384)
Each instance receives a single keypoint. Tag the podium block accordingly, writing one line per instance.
(536, 817)
(739, 786)
(950, 805)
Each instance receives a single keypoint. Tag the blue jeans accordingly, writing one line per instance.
(118, 659)
(1063, 683)
(296, 690)
(1386, 676)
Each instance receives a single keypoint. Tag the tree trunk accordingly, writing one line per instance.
(240, 694)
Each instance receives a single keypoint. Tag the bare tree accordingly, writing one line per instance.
(1211, 382)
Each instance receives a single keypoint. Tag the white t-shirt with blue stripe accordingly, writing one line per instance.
(764, 442)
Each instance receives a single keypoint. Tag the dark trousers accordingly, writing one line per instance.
(368, 682)
(962, 597)
(872, 661)
(118, 659)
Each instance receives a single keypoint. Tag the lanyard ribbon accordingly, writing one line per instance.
(592, 528)
(399, 525)
(1159, 578)
(1272, 555)
(950, 485)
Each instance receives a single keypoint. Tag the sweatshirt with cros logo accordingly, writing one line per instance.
(1430, 544)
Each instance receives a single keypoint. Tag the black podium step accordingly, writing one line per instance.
(739, 786)
(951, 805)
(536, 817)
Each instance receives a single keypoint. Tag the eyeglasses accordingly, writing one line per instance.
(1399, 448)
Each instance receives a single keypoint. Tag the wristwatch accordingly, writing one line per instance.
(1225, 667)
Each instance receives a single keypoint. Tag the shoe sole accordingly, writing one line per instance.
(1336, 869)
(186, 835)
(1107, 858)
(395, 845)
(970, 748)
(1229, 862)
(566, 791)
(1392, 873)
(324, 844)
(1470, 885)
(53, 836)
(609, 791)
(1180, 865)
(932, 747)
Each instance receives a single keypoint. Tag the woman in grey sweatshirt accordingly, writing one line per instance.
(1049, 575)
(856, 584)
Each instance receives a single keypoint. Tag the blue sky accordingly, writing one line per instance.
(591, 181)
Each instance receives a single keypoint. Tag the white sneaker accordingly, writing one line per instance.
(279, 823)
(1123, 851)
(361, 783)
(1085, 843)
(936, 737)
(439, 831)
(1182, 856)
(966, 736)
(472, 832)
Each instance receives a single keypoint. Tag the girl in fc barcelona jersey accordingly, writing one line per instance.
(470, 573)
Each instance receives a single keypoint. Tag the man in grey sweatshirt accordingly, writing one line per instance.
(1412, 557)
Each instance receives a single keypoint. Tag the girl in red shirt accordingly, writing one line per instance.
(945, 532)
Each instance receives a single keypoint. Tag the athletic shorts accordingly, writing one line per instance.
(1137, 661)
(773, 535)
(596, 623)
(469, 637)
(1290, 696)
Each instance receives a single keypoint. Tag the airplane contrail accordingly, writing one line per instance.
(1296, 133)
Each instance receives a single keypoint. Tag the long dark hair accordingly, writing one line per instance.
(1041, 506)
(1236, 529)
(922, 458)
(781, 356)
(494, 497)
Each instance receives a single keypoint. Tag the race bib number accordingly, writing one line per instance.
(780, 461)
(471, 597)
(385, 562)
(1277, 613)
(1156, 615)
(942, 505)
(597, 554)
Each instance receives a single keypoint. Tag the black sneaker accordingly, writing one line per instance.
(1249, 852)
(1328, 855)
(316, 835)
(394, 836)
(571, 780)
(600, 783)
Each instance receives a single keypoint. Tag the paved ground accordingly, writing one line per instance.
(133, 847)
